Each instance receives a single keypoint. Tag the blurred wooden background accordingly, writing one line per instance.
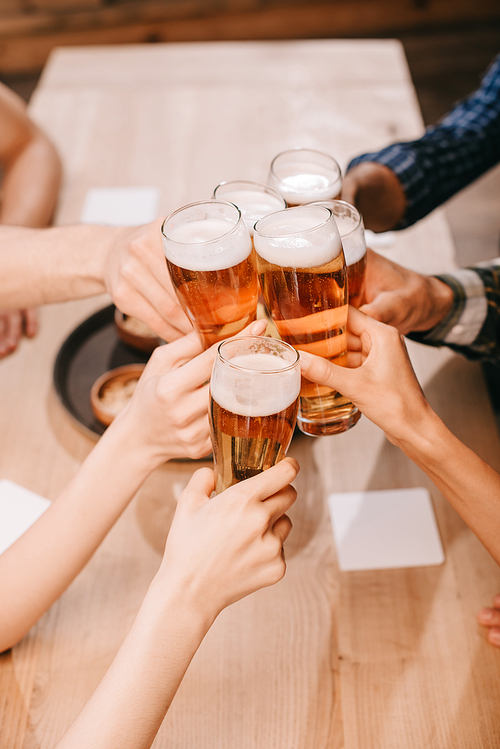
(29, 29)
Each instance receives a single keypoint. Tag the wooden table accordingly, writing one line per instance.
(368, 660)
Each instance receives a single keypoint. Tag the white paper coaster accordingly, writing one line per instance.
(385, 529)
(19, 508)
(120, 206)
(380, 241)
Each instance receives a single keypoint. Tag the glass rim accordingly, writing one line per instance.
(300, 231)
(266, 188)
(257, 339)
(193, 205)
(298, 149)
(359, 221)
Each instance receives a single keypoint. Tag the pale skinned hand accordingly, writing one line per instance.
(400, 297)
(377, 193)
(379, 380)
(168, 413)
(13, 325)
(490, 618)
(136, 276)
(222, 549)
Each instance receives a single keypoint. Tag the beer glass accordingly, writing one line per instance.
(209, 256)
(352, 234)
(303, 279)
(254, 199)
(254, 392)
(303, 175)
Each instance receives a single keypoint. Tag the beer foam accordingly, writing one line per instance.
(301, 182)
(354, 245)
(254, 204)
(253, 391)
(292, 249)
(207, 245)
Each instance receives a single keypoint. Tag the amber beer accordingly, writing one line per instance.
(254, 392)
(352, 235)
(210, 260)
(303, 279)
(303, 175)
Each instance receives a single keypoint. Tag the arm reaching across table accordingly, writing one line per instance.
(218, 551)
(403, 182)
(40, 266)
(400, 297)
(166, 418)
(383, 386)
(30, 185)
(459, 309)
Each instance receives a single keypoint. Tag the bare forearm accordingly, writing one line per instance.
(52, 265)
(31, 184)
(467, 482)
(129, 705)
(44, 561)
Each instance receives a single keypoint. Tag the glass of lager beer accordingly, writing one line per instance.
(210, 260)
(352, 234)
(303, 176)
(255, 201)
(254, 392)
(303, 279)
(252, 198)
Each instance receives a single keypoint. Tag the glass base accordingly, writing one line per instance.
(336, 425)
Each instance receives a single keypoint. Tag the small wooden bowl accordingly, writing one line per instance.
(112, 391)
(135, 333)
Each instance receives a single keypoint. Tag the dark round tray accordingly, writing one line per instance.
(90, 350)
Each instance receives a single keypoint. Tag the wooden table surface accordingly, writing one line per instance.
(366, 660)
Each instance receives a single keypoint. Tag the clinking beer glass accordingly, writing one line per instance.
(254, 392)
(210, 260)
(352, 234)
(303, 175)
(303, 280)
(253, 199)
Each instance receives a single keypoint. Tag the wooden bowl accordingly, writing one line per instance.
(112, 391)
(135, 333)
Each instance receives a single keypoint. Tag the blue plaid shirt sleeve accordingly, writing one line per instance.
(451, 154)
(472, 326)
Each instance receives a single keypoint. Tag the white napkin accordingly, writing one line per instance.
(385, 529)
(379, 241)
(19, 508)
(120, 206)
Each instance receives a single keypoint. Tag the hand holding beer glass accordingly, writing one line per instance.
(303, 175)
(352, 233)
(209, 256)
(254, 392)
(303, 280)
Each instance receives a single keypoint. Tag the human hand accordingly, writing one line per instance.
(490, 618)
(136, 276)
(13, 324)
(377, 193)
(403, 298)
(379, 378)
(222, 549)
(168, 413)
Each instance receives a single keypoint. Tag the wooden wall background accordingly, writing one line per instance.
(29, 29)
